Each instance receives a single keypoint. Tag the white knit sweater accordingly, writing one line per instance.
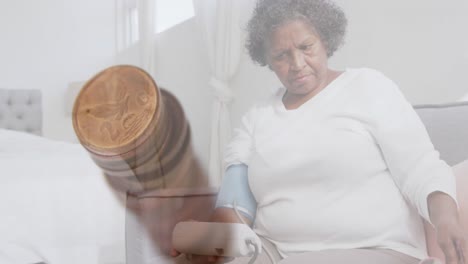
(350, 168)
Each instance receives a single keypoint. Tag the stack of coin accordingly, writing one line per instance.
(135, 132)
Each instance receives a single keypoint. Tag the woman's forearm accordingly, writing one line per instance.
(442, 209)
(228, 215)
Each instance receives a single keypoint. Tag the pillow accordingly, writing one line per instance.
(447, 125)
(461, 174)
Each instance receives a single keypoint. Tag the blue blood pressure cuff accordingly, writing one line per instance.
(235, 191)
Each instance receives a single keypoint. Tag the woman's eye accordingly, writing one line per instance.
(307, 47)
(279, 56)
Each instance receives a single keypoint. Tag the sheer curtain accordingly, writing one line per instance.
(220, 24)
(147, 30)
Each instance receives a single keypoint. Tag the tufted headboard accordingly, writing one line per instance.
(21, 110)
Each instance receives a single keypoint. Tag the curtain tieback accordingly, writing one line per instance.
(221, 91)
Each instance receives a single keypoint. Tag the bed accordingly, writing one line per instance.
(55, 205)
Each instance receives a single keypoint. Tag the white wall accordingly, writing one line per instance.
(181, 67)
(47, 44)
(421, 44)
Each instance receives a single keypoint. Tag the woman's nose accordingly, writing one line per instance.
(297, 61)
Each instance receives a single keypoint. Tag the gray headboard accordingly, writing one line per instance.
(21, 110)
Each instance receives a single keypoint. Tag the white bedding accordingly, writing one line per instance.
(55, 206)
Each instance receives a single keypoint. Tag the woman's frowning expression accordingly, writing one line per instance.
(299, 58)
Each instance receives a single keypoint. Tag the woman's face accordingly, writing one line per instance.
(299, 58)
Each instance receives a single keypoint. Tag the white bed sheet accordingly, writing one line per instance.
(55, 206)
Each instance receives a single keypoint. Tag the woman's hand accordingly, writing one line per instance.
(451, 238)
(453, 242)
(197, 259)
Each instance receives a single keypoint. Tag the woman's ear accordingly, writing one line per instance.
(325, 45)
(267, 62)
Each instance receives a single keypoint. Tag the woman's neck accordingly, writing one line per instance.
(292, 101)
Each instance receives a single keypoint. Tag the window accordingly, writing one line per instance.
(167, 13)
(172, 12)
(126, 21)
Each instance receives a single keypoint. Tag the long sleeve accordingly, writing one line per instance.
(239, 150)
(407, 149)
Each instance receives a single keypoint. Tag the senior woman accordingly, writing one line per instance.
(335, 167)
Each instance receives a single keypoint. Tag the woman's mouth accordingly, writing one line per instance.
(300, 79)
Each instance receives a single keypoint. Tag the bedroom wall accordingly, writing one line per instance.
(47, 44)
(182, 68)
(422, 45)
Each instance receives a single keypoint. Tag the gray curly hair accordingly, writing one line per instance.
(327, 18)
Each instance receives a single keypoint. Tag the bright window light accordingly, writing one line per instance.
(172, 12)
(133, 26)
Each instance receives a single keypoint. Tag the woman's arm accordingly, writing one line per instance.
(235, 204)
(235, 199)
(228, 215)
(423, 178)
(451, 238)
(414, 164)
